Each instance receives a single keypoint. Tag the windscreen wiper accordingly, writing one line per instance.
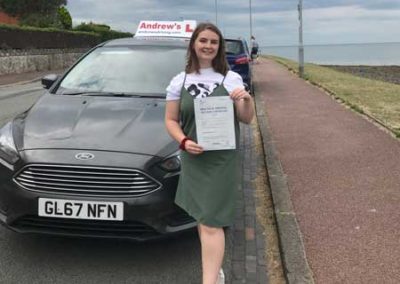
(82, 93)
(112, 94)
(100, 93)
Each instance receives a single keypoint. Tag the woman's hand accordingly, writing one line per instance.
(240, 94)
(193, 148)
(244, 105)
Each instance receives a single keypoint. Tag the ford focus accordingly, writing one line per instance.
(92, 157)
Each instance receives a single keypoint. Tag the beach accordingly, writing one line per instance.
(390, 74)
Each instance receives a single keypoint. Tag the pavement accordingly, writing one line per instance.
(10, 79)
(247, 260)
(334, 177)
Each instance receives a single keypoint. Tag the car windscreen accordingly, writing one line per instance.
(145, 70)
(233, 47)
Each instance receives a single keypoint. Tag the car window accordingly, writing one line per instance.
(137, 69)
(234, 47)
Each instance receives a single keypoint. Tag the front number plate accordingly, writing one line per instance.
(79, 209)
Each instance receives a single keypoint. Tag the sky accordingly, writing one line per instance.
(274, 22)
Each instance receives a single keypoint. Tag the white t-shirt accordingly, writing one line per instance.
(254, 44)
(201, 85)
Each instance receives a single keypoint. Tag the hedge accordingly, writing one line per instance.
(24, 37)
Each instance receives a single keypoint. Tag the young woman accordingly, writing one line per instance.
(209, 180)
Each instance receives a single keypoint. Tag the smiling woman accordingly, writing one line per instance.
(207, 188)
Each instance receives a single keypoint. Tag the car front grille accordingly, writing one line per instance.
(77, 180)
(64, 226)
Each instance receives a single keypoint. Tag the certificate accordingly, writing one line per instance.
(215, 123)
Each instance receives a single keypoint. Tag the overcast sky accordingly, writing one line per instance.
(275, 22)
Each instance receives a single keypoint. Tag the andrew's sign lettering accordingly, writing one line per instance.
(166, 28)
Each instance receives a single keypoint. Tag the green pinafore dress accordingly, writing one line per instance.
(208, 183)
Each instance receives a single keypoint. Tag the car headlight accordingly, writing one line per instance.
(8, 151)
(172, 163)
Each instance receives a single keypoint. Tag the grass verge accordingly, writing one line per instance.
(376, 99)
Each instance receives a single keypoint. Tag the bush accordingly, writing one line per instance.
(51, 29)
(92, 27)
(15, 37)
(105, 32)
(37, 20)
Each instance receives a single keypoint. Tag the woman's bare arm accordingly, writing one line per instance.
(174, 128)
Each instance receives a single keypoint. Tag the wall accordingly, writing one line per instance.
(20, 61)
(6, 19)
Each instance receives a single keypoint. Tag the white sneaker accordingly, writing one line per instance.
(221, 277)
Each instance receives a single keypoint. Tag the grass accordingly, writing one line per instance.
(377, 99)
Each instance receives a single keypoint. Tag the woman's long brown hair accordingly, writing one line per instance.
(219, 63)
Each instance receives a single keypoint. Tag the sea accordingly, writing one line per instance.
(374, 54)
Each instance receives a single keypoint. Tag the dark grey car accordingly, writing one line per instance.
(92, 157)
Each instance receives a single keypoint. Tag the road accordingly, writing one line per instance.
(47, 259)
(15, 99)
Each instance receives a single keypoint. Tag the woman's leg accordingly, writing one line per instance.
(212, 252)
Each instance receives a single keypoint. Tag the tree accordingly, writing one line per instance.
(64, 18)
(10, 7)
(23, 8)
(39, 13)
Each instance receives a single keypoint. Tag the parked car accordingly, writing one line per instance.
(92, 157)
(238, 56)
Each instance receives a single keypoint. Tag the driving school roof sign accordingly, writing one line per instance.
(166, 28)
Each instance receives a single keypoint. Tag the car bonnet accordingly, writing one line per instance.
(134, 125)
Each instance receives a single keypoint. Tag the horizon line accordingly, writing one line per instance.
(326, 44)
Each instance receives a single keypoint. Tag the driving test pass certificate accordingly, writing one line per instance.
(215, 123)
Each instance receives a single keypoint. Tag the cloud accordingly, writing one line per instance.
(275, 22)
(351, 24)
(351, 13)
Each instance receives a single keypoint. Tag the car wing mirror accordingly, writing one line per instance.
(48, 80)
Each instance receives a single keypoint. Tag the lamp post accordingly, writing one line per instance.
(251, 21)
(301, 47)
(216, 13)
